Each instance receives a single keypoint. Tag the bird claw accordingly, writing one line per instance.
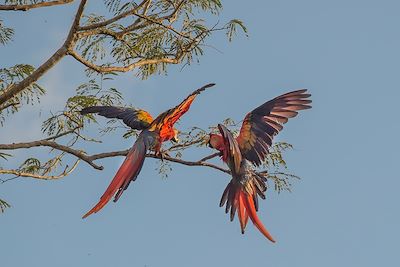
(162, 155)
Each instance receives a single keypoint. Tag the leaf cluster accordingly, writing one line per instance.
(5, 33)
(164, 31)
(31, 95)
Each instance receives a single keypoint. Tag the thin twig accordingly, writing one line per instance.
(112, 20)
(201, 162)
(105, 69)
(211, 156)
(11, 104)
(64, 133)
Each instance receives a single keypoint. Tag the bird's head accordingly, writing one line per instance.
(175, 138)
(215, 141)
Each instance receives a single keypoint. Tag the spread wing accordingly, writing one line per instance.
(231, 152)
(134, 118)
(168, 118)
(263, 123)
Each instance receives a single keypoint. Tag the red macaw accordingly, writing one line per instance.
(251, 147)
(154, 132)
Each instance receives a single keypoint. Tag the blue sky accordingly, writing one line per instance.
(343, 212)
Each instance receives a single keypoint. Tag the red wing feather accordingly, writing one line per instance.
(263, 123)
(167, 119)
(128, 172)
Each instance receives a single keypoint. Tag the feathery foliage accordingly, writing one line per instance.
(30, 95)
(5, 33)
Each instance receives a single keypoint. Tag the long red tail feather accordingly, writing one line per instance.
(251, 211)
(128, 172)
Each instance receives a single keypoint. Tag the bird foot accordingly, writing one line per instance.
(162, 155)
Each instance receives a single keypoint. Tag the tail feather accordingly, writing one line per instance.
(237, 198)
(250, 208)
(243, 216)
(128, 172)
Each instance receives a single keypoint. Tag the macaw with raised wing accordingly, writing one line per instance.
(250, 148)
(153, 134)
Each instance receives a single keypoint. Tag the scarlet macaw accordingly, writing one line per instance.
(154, 132)
(251, 147)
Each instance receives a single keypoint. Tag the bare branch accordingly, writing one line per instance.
(32, 6)
(168, 158)
(109, 154)
(185, 144)
(211, 156)
(190, 163)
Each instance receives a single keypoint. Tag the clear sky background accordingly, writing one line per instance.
(343, 212)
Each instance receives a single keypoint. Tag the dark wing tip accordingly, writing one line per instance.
(93, 109)
(302, 91)
(201, 89)
(85, 111)
(209, 85)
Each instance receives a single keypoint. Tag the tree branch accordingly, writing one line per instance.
(7, 105)
(105, 69)
(201, 162)
(54, 59)
(32, 6)
(89, 159)
(172, 17)
(64, 133)
(190, 163)
(17, 173)
(211, 156)
(52, 144)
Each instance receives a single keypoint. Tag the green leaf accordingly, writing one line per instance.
(4, 155)
(31, 94)
(30, 165)
(5, 34)
(4, 205)
(231, 27)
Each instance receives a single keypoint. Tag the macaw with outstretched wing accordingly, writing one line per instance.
(251, 147)
(153, 134)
